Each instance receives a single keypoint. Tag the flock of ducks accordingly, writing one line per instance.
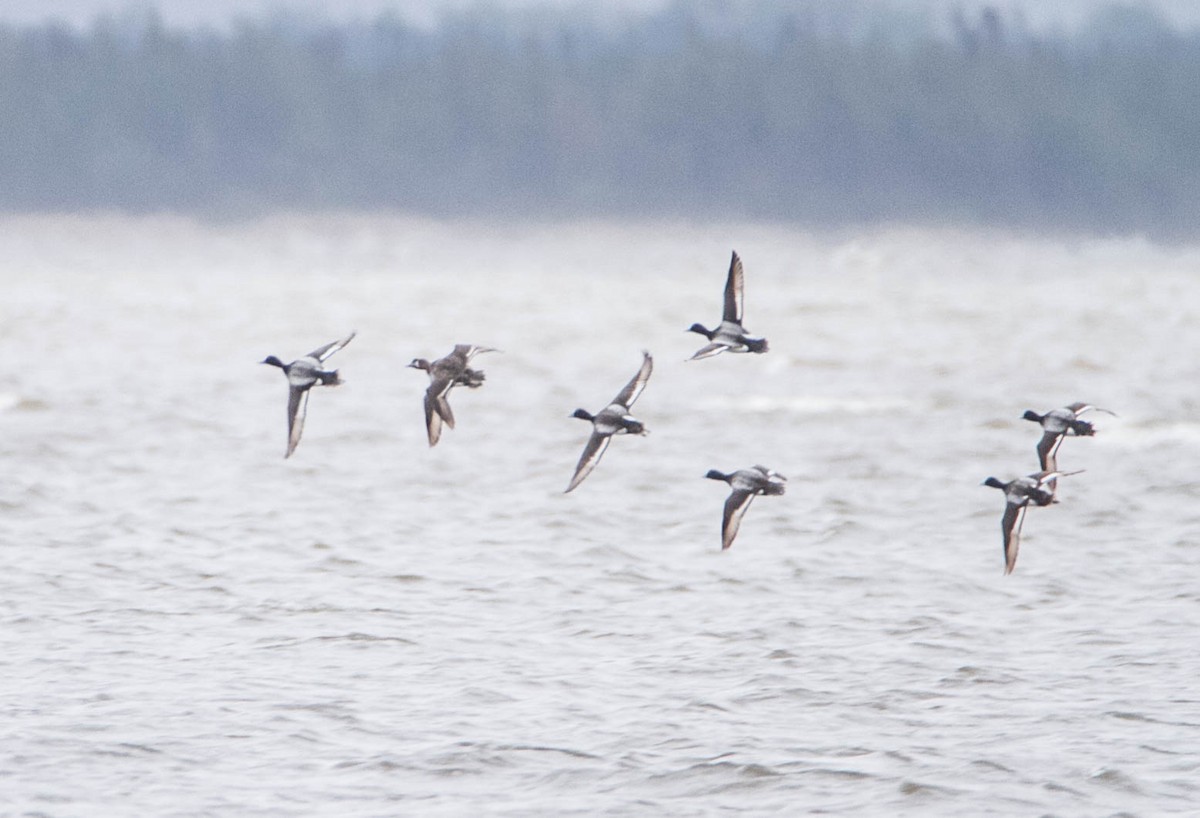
(730, 335)
(1040, 487)
(614, 419)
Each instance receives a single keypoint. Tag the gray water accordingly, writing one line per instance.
(192, 625)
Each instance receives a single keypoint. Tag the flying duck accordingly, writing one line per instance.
(746, 484)
(445, 374)
(1018, 494)
(1056, 425)
(730, 335)
(302, 375)
(613, 419)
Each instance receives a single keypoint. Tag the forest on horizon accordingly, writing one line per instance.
(739, 111)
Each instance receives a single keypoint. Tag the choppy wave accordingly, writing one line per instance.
(192, 624)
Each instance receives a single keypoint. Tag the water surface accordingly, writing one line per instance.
(194, 626)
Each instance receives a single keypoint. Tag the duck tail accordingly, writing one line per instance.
(634, 427)
(330, 378)
(1083, 428)
(757, 344)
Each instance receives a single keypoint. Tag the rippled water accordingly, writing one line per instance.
(194, 626)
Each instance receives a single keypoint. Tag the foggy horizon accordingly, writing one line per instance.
(219, 13)
(836, 114)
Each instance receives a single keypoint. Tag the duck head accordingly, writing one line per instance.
(700, 328)
(993, 482)
(713, 474)
(419, 363)
(582, 414)
(273, 361)
(1032, 415)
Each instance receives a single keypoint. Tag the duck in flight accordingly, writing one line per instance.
(302, 375)
(730, 336)
(1018, 494)
(746, 485)
(613, 419)
(445, 374)
(1056, 425)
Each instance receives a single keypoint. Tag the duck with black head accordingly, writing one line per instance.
(302, 375)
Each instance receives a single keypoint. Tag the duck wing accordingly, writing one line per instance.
(1014, 518)
(433, 419)
(468, 351)
(1047, 450)
(633, 389)
(442, 405)
(734, 286)
(770, 474)
(1079, 407)
(321, 353)
(709, 351)
(1044, 477)
(297, 410)
(437, 398)
(592, 452)
(735, 509)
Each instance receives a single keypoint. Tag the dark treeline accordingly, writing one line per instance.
(759, 112)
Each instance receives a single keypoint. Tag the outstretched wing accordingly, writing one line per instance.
(1080, 407)
(1043, 477)
(433, 419)
(321, 353)
(709, 351)
(733, 290)
(1014, 518)
(297, 409)
(1047, 450)
(437, 399)
(770, 474)
(468, 351)
(592, 452)
(735, 509)
(634, 388)
(442, 404)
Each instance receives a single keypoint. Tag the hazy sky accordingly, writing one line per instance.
(218, 12)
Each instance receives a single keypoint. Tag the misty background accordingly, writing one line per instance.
(826, 113)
